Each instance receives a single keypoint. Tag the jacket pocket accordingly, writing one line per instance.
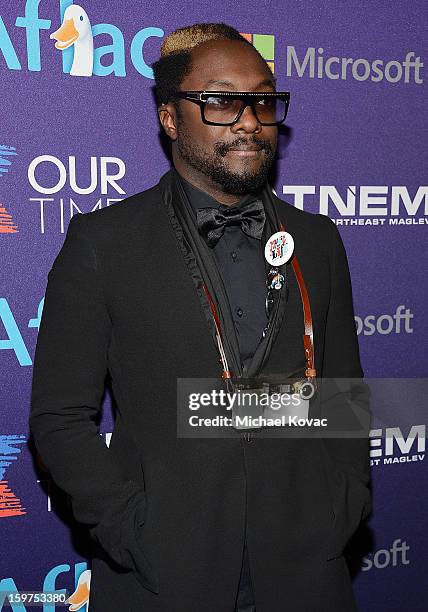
(121, 535)
(132, 555)
(349, 499)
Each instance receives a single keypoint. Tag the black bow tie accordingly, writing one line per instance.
(212, 221)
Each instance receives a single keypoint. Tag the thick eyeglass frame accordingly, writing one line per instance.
(199, 97)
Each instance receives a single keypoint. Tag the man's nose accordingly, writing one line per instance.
(247, 120)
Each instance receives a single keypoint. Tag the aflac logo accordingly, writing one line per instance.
(50, 594)
(76, 30)
(75, 37)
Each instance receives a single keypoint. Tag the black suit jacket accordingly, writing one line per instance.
(167, 514)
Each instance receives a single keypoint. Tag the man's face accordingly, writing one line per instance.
(226, 65)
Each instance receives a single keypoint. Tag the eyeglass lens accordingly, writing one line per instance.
(224, 109)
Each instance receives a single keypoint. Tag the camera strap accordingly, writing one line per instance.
(308, 337)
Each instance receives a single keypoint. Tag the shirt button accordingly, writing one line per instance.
(239, 312)
(234, 255)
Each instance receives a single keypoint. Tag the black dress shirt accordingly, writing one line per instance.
(241, 263)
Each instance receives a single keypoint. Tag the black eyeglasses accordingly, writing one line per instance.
(226, 107)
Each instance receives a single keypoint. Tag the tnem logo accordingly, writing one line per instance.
(389, 446)
(75, 37)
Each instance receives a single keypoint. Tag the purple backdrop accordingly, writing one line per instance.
(354, 149)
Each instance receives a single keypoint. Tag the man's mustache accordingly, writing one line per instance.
(222, 148)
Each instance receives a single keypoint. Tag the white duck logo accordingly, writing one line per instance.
(76, 30)
(80, 597)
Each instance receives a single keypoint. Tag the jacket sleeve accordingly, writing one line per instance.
(346, 400)
(70, 365)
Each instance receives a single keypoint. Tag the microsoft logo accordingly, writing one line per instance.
(314, 63)
(265, 45)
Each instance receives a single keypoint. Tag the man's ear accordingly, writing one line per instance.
(167, 117)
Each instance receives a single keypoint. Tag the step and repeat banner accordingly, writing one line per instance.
(353, 148)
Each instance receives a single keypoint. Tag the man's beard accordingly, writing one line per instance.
(216, 167)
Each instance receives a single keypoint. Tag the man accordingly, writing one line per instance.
(145, 289)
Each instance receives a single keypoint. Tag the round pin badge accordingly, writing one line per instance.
(279, 248)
